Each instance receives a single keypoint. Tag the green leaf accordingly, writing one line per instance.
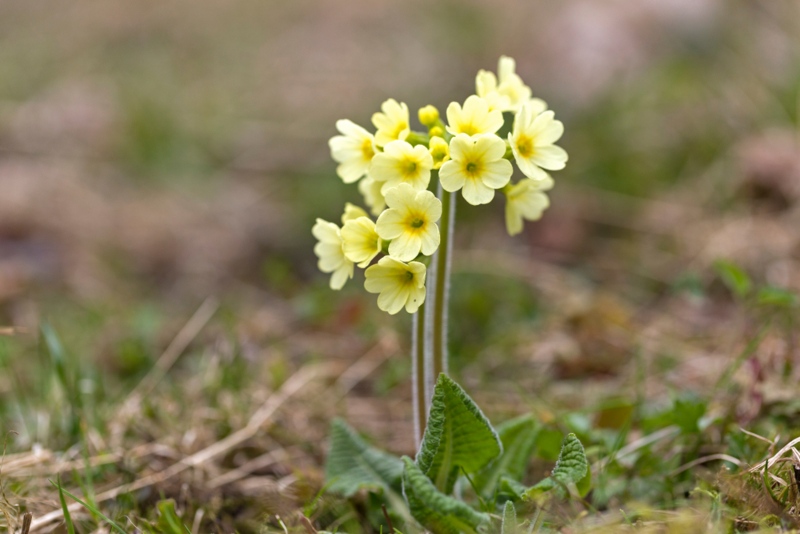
(437, 512)
(548, 443)
(509, 519)
(510, 488)
(733, 277)
(687, 412)
(518, 437)
(571, 470)
(169, 522)
(353, 464)
(458, 436)
(58, 356)
(777, 297)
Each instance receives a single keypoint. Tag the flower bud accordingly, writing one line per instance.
(429, 116)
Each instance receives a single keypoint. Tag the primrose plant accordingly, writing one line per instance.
(406, 253)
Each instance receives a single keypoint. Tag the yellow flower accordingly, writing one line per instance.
(477, 166)
(399, 284)
(440, 151)
(353, 150)
(371, 191)
(526, 200)
(330, 253)
(510, 85)
(508, 93)
(351, 211)
(474, 118)
(402, 163)
(410, 222)
(361, 241)
(391, 122)
(532, 141)
(486, 88)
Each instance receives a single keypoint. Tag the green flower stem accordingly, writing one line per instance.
(418, 373)
(430, 300)
(443, 260)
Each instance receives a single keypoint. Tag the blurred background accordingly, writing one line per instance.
(154, 154)
(184, 148)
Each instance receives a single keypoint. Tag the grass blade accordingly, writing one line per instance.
(89, 507)
(65, 509)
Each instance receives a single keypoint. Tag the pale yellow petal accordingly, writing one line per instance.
(340, 276)
(551, 157)
(393, 300)
(325, 231)
(405, 247)
(506, 66)
(371, 191)
(489, 147)
(390, 224)
(513, 219)
(550, 133)
(414, 299)
(496, 174)
(360, 241)
(431, 206)
(532, 205)
(451, 176)
(430, 240)
(400, 196)
(476, 193)
(352, 212)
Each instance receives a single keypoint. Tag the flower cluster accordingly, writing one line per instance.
(395, 167)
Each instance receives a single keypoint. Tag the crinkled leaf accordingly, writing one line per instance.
(518, 437)
(353, 464)
(509, 488)
(437, 512)
(458, 436)
(509, 519)
(584, 485)
(572, 469)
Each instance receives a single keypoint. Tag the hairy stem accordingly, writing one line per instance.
(443, 260)
(418, 371)
(430, 303)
